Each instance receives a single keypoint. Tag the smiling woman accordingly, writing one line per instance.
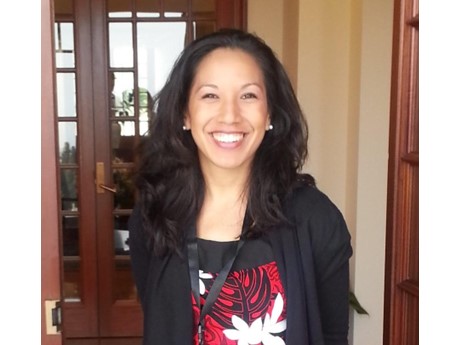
(227, 110)
(230, 244)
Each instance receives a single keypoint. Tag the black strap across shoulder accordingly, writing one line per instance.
(216, 286)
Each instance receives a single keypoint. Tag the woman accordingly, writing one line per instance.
(229, 243)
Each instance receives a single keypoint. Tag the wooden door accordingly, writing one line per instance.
(402, 271)
(112, 57)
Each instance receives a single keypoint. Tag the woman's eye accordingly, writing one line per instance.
(210, 95)
(249, 95)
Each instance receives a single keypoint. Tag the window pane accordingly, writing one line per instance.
(121, 45)
(148, 8)
(64, 45)
(159, 45)
(66, 96)
(69, 192)
(119, 8)
(67, 142)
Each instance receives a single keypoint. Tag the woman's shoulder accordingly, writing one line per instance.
(307, 198)
(307, 204)
(317, 218)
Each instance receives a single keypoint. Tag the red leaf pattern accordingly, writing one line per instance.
(248, 294)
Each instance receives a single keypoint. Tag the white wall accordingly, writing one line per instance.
(376, 46)
(265, 18)
(342, 71)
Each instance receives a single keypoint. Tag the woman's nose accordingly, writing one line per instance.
(229, 112)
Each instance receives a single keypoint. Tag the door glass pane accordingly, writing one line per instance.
(123, 285)
(175, 8)
(143, 127)
(72, 279)
(119, 8)
(123, 141)
(72, 273)
(121, 45)
(121, 97)
(121, 240)
(70, 230)
(66, 96)
(124, 184)
(148, 8)
(67, 133)
(202, 28)
(159, 45)
(145, 104)
(64, 45)
(69, 195)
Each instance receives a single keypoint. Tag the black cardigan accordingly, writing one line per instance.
(312, 257)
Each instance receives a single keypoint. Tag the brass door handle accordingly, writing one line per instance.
(110, 189)
(100, 180)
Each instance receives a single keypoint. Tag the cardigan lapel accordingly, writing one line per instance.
(284, 250)
(169, 302)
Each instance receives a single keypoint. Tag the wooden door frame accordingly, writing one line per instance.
(400, 313)
(50, 259)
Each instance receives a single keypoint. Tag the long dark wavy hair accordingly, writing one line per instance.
(169, 180)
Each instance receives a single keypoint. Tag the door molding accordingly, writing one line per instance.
(50, 259)
(401, 268)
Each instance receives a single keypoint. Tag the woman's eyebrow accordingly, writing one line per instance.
(252, 84)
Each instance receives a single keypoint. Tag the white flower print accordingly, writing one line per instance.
(203, 275)
(259, 332)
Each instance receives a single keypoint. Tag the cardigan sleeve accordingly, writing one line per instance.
(331, 251)
(139, 252)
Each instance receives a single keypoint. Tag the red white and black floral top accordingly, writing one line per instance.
(251, 307)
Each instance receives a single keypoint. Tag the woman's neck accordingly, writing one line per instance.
(225, 184)
(224, 206)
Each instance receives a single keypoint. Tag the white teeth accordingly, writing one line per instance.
(227, 137)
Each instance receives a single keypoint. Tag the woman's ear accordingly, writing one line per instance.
(186, 121)
(268, 123)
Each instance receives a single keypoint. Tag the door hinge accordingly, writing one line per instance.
(53, 314)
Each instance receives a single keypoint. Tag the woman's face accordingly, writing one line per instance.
(227, 110)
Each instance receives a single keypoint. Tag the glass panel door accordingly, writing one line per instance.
(112, 57)
(77, 203)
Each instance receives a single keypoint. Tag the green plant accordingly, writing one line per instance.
(354, 303)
